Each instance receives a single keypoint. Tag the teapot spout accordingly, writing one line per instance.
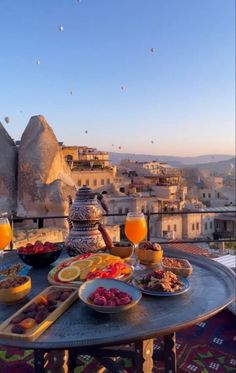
(102, 202)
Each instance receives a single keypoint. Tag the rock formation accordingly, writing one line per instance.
(8, 164)
(44, 178)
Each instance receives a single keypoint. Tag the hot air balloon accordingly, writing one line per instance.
(86, 131)
(7, 120)
(119, 148)
(152, 50)
(38, 62)
(152, 142)
(71, 93)
(60, 28)
(122, 88)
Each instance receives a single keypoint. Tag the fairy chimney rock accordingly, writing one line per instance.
(44, 178)
(8, 165)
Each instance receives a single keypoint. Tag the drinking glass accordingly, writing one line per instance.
(5, 236)
(135, 231)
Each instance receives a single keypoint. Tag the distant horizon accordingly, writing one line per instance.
(120, 151)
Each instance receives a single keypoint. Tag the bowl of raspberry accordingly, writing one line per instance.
(108, 295)
(39, 254)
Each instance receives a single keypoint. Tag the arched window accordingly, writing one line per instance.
(69, 158)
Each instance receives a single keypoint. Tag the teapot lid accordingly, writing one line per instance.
(85, 193)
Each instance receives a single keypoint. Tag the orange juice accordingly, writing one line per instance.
(5, 235)
(135, 229)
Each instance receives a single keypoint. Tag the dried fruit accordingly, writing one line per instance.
(18, 329)
(54, 295)
(52, 302)
(28, 323)
(42, 299)
(31, 307)
(64, 296)
(41, 315)
(51, 308)
(17, 319)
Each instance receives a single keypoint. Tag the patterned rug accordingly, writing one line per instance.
(208, 347)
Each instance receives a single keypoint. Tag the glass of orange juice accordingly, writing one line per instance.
(135, 231)
(5, 235)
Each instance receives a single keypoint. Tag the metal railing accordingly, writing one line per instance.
(39, 220)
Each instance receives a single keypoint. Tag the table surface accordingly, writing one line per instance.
(212, 288)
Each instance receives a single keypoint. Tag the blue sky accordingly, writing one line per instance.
(181, 97)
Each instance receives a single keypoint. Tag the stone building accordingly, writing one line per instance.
(89, 166)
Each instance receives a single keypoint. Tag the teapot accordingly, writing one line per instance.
(85, 213)
(87, 206)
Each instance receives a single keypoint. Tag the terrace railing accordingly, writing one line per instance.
(39, 220)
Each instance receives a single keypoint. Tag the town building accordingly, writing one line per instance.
(89, 166)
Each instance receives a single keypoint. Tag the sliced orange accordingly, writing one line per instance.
(113, 260)
(96, 259)
(84, 273)
(82, 264)
(100, 255)
(68, 274)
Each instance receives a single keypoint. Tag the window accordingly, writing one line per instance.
(126, 210)
(108, 181)
(203, 195)
(218, 195)
(205, 226)
(175, 227)
(102, 182)
(211, 225)
(209, 195)
(197, 226)
(79, 182)
(168, 228)
(120, 210)
(193, 227)
(69, 158)
(95, 182)
(143, 209)
(87, 182)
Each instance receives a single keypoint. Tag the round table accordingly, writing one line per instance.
(81, 329)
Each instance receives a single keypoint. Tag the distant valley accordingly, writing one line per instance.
(172, 160)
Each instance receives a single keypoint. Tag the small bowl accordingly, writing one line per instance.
(147, 256)
(90, 286)
(17, 293)
(121, 250)
(42, 259)
(184, 268)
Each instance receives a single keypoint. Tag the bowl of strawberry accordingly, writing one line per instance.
(108, 295)
(39, 254)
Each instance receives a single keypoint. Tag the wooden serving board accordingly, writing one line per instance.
(33, 333)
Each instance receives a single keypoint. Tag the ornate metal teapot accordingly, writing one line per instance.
(86, 214)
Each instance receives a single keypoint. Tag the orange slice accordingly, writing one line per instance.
(82, 264)
(68, 274)
(100, 255)
(96, 259)
(109, 261)
(84, 273)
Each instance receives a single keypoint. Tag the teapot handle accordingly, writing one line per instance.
(102, 202)
(105, 235)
